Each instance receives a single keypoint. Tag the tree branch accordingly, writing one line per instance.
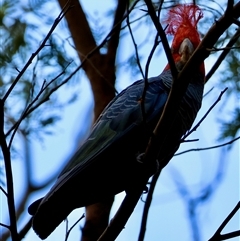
(161, 131)
(135, 45)
(223, 55)
(217, 236)
(116, 29)
(80, 29)
(65, 9)
(9, 177)
(2, 189)
(163, 37)
(209, 148)
(204, 117)
(25, 229)
(147, 206)
(69, 231)
(102, 81)
(4, 225)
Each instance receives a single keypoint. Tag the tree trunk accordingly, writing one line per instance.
(100, 70)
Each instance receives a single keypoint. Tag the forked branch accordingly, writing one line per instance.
(218, 236)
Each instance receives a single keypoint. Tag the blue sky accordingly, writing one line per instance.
(168, 218)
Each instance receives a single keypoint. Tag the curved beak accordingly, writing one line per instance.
(186, 49)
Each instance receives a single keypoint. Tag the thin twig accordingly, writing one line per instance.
(68, 231)
(134, 44)
(190, 140)
(9, 176)
(28, 109)
(147, 206)
(17, 124)
(5, 225)
(25, 229)
(204, 117)
(223, 55)
(71, 75)
(217, 236)
(156, 43)
(229, 235)
(163, 37)
(42, 45)
(223, 48)
(209, 148)
(156, 176)
(1, 188)
(208, 92)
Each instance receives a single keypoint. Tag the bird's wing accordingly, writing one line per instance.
(121, 116)
(98, 163)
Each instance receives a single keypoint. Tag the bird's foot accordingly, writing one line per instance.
(156, 168)
(140, 157)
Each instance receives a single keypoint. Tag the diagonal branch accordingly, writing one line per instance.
(204, 117)
(116, 27)
(9, 176)
(209, 148)
(163, 37)
(147, 206)
(2, 189)
(223, 55)
(217, 235)
(80, 29)
(65, 9)
(99, 68)
(68, 231)
(135, 45)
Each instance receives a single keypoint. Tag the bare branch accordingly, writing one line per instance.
(223, 55)
(1, 188)
(224, 48)
(30, 108)
(68, 231)
(42, 45)
(217, 236)
(9, 176)
(208, 148)
(135, 46)
(114, 40)
(229, 9)
(5, 226)
(206, 114)
(163, 37)
(25, 229)
(156, 43)
(147, 206)
(80, 32)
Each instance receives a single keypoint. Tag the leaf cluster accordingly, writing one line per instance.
(20, 35)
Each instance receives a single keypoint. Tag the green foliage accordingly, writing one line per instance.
(231, 128)
(231, 78)
(20, 34)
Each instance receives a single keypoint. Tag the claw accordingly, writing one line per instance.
(140, 158)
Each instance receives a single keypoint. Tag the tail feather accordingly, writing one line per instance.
(50, 214)
(32, 209)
